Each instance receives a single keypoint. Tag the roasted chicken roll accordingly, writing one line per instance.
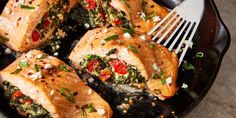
(143, 15)
(26, 24)
(119, 56)
(38, 85)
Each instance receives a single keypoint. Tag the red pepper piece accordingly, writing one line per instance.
(102, 15)
(46, 24)
(35, 36)
(119, 66)
(93, 64)
(118, 22)
(92, 4)
(16, 94)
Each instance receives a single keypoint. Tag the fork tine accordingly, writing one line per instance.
(176, 38)
(164, 27)
(169, 29)
(187, 45)
(183, 39)
(162, 21)
(173, 33)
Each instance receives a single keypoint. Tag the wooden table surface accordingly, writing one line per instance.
(220, 102)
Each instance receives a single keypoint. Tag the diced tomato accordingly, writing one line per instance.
(93, 64)
(46, 24)
(105, 74)
(102, 15)
(45, 15)
(22, 101)
(16, 94)
(92, 4)
(118, 22)
(35, 36)
(29, 101)
(119, 66)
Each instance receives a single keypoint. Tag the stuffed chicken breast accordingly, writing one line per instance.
(119, 56)
(38, 85)
(142, 15)
(26, 24)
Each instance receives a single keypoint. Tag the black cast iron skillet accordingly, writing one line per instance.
(212, 38)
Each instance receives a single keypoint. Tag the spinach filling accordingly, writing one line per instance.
(117, 72)
(52, 18)
(24, 104)
(101, 13)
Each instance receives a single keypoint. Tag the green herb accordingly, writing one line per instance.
(130, 31)
(24, 64)
(163, 81)
(144, 6)
(149, 15)
(200, 54)
(155, 76)
(111, 37)
(26, 7)
(16, 71)
(124, 1)
(151, 45)
(84, 114)
(36, 67)
(65, 92)
(188, 66)
(112, 51)
(64, 68)
(133, 49)
(4, 39)
(41, 57)
(161, 75)
(90, 108)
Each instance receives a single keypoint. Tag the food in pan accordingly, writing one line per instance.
(26, 24)
(142, 15)
(38, 85)
(121, 57)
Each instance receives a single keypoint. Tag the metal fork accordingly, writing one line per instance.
(184, 20)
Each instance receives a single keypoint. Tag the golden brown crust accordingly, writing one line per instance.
(46, 90)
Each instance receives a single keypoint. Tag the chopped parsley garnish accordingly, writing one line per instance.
(163, 81)
(26, 7)
(144, 6)
(4, 39)
(65, 92)
(161, 75)
(90, 108)
(64, 68)
(36, 67)
(130, 31)
(200, 54)
(151, 45)
(149, 15)
(16, 71)
(133, 49)
(155, 76)
(115, 36)
(112, 51)
(188, 66)
(24, 64)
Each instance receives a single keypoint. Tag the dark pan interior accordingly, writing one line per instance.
(212, 38)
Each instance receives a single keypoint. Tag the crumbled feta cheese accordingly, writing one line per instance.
(105, 30)
(61, 33)
(156, 18)
(143, 37)
(90, 91)
(18, 67)
(184, 86)
(52, 92)
(24, 61)
(29, 55)
(60, 16)
(7, 11)
(103, 42)
(8, 51)
(155, 67)
(36, 76)
(86, 25)
(143, 16)
(127, 35)
(47, 66)
(169, 80)
(55, 54)
(90, 80)
(57, 46)
(39, 56)
(190, 45)
(101, 111)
